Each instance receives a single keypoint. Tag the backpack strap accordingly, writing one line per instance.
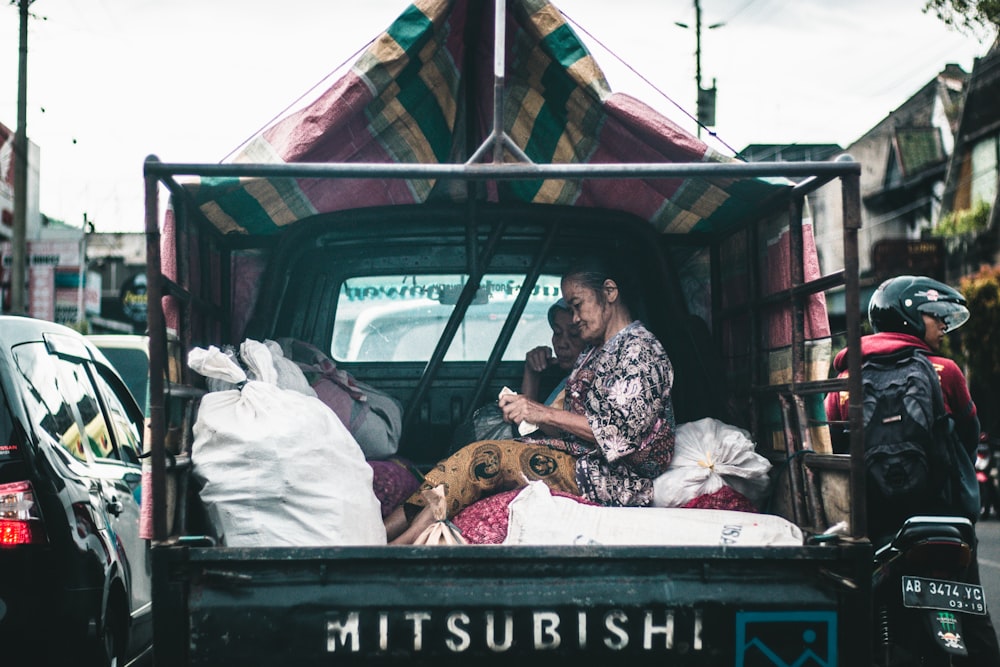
(942, 420)
(952, 474)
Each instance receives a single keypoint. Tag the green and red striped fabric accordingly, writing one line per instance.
(423, 93)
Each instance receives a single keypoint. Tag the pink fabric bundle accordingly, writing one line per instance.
(726, 498)
(393, 482)
(485, 521)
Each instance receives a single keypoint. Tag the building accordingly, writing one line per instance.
(74, 276)
(904, 161)
(971, 189)
(790, 152)
(33, 215)
(55, 279)
(116, 261)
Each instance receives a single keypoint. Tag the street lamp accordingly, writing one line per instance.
(706, 96)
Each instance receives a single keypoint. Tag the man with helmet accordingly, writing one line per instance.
(916, 312)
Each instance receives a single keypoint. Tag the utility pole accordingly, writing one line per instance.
(19, 244)
(706, 96)
(697, 55)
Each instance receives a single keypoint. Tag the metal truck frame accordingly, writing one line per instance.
(332, 605)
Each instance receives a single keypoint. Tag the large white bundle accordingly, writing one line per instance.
(537, 517)
(709, 454)
(277, 467)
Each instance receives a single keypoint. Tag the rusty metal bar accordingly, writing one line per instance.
(794, 464)
(814, 497)
(851, 196)
(797, 277)
(814, 505)
(507, 171)
(516, 309)
(499, 139)
(451, 327)
(752, 239)
(499, 67)
(157, 428)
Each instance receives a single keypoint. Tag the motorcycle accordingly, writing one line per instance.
(920, 599)
(986, 475)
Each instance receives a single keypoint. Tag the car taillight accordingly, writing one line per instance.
(20, 520)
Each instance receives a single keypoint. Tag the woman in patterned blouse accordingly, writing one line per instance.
(611, 438)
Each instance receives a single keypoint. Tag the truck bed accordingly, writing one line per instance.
(493, 604)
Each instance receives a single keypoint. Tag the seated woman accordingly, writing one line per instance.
(613, 436)
(544, 365)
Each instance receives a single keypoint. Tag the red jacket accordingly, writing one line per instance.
(957, 400)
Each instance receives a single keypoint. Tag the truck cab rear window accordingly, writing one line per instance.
(402, 317)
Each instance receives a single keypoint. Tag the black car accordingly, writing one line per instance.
(74, 568)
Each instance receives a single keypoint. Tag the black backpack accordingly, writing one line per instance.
(906, 435)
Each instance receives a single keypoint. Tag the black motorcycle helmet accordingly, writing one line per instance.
(899, 303)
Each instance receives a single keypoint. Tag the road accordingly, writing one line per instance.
(988, 531)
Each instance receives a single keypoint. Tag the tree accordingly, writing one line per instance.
(972, 17)
(981, 342)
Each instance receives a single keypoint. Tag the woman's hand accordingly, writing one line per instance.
(539, 358)
(518, 408)
(536, 361)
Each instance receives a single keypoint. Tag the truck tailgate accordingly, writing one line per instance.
(492, 604)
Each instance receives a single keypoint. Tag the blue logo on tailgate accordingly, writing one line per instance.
(786, 639)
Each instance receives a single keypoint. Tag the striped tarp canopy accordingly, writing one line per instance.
(423, 93)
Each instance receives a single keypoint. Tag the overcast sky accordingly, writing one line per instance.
(112, 81)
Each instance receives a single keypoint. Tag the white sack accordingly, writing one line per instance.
(708, 454)
(219, 367)
(276, 467)
(539, 518)
(290, 376)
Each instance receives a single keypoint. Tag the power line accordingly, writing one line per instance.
(739, 11)
(350, 59)
(649, 83)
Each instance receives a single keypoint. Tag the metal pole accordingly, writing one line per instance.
(81, 316)
(851, 197)
(155, 324)
(499, 67)
(19, 245)
(697, 62)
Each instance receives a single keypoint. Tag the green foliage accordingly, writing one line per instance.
(80, 326)
(979, 18)
(967, 220)
(981, 334)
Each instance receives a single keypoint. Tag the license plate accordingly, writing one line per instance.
(921, 593)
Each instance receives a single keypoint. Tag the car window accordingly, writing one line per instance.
(44, 399)
(126, 432)
(77, 390)
(64, 401)
(133, 365)
(401, 317)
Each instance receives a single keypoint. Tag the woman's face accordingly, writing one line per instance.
(591, 312)
(566, 341)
